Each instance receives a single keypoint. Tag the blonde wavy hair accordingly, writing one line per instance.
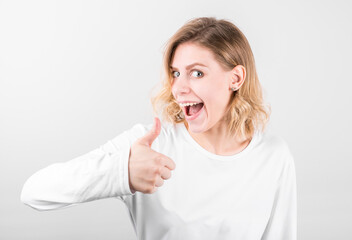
(246, 111)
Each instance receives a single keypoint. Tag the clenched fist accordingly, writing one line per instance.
(147, 168)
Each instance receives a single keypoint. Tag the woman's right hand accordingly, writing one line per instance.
(147, 168)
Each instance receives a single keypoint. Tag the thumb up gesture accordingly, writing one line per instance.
(147, 168)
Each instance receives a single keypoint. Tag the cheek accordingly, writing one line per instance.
(173, 92)
(215, 100)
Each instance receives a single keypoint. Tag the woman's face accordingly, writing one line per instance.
(208, 84)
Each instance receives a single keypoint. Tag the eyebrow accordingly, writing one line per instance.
(191, 65)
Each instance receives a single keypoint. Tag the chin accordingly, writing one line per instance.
(195, 128)
(199, 125)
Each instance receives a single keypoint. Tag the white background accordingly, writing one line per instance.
(74, 74)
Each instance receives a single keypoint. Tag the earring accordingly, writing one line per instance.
(233, 89)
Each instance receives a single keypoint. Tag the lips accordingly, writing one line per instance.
(186, 109)
(189, 101)
(195, 115)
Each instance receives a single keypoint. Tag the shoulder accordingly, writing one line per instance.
(276, 153)
(140, 129)
(275, 146)
(167, 131)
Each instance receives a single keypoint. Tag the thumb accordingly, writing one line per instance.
(150, 136)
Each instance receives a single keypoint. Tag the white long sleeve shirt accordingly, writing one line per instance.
(248, 196)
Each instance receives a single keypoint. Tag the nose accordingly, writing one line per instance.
(180, 86)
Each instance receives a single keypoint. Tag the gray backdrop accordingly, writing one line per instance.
(74, 74)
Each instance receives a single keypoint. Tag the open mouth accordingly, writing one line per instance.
(191, 110)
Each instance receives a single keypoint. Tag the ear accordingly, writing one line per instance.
(237, 76)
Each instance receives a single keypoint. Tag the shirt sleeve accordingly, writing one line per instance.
(283, 220)
(100, 173)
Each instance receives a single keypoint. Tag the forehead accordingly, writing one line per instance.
(188, 53)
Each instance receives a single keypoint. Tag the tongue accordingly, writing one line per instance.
(195, 108)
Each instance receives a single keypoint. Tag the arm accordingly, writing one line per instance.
(283, 221)
(101, 173)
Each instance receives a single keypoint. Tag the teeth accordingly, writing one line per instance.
(187, 104)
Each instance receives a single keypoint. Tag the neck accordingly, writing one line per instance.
(217, 140)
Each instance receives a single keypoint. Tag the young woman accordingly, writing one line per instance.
(230, 178)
